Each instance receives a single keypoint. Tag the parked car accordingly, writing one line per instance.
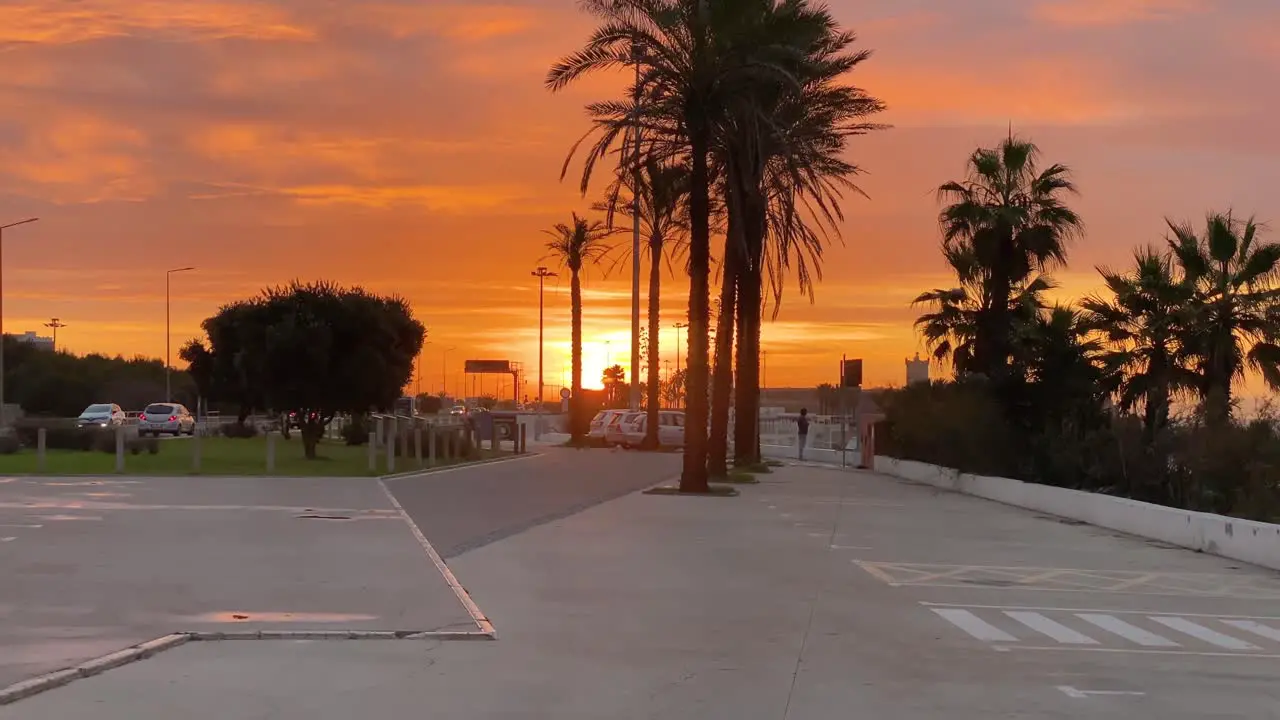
(458, 410)
(101, 415)
(670, 429)
(170, 418)
(616, 432)
(601, 422)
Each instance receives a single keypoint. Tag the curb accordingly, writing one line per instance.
(97, 666)
(458, 466)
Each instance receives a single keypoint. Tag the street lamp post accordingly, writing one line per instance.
(53, 325)
(3, 417)
(420, 354)
(168, 275)
(542, 274)
(444, 371)
(679, 327)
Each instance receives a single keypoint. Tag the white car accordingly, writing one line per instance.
(616, 432)
(101, 415)
(170, 418)
(601, 422)
(670, 429)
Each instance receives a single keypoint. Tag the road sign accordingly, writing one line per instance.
(565, 394)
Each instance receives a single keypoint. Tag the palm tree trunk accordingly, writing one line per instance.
(577, 410)
(722, 381)
(655, 328)
(746, 446)
(693, 479)
(993, 348)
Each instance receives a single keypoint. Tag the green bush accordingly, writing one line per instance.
(9, 444)
(59, 434)
(1232, 469)
(356, 432)
(239, 430)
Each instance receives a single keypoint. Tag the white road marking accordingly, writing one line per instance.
(1082, 694)
(975, 626)
(1052, 628)
(850, 547)
(1098, 610)
(24, 527)
(1125, 630)
(7, 539)
(1200, 632)
(1256, 628)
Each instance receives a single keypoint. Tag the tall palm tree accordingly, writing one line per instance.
(1014, 217)
(661, 189)
(951, 329)
(1235, 322)
(785, 162)
(574, 245)
(1141, 321)
(694, 62)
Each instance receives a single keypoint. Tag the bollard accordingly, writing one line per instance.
(522, 447)
(271, 453)
(195, 453)
(40, 447)
(119, 448)
(391, 451)
(431, 444)
(417, 444)
(373, 452)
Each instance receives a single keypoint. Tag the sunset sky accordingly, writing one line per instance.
(409, 146)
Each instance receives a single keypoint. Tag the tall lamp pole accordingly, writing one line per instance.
(679, 326)
(168, 276)
(542, 274)
(444, 371)
(3, 417)
(53, 325)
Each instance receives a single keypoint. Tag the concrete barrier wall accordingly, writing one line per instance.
(1245, 540)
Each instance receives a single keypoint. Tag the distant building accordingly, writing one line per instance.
(44, 343)
(917, 370)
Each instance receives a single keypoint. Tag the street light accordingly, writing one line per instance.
(54, 324)
(679, 327)
(542, 274)
(3, 417)
(168, 274)
(444, 371)
(420, 354)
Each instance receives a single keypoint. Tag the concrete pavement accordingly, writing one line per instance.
(814, 595)
(91, 566)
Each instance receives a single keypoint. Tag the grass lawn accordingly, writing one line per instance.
(219, 456)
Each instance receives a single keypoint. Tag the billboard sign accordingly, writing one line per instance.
(488, 367)
(851, 373)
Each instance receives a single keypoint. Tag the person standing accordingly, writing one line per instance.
(802, 430)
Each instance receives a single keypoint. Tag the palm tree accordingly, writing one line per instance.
(694, 61)
(574, 245)
(1141, 322)
(1013, 217)
(1235, 319)
(952, 328)
(661, 189)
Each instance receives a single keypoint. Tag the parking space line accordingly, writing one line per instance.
(1138, 651)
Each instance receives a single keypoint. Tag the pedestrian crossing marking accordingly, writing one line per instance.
(1210, 636)
(975, 625)
(1114, 631)
(1251, 586)
(1126, 630)
(1256, 628)
(1052, 628)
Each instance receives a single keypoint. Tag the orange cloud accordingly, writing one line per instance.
(78, 158)
(459, 21)
(59, 23)
(1090, 13)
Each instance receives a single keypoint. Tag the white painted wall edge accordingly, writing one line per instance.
(1244, 540)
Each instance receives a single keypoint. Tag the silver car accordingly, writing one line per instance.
(101, 415)
(168, 418)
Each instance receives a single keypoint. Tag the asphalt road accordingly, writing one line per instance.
(466, 508)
